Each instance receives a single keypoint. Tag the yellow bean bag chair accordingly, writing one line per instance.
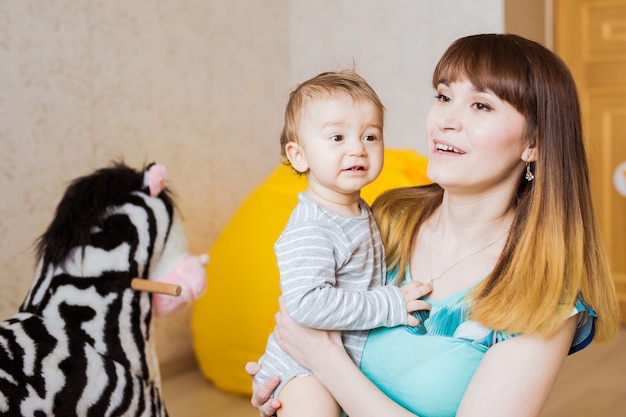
(231, 322)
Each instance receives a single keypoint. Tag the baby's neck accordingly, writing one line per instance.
(343, 205)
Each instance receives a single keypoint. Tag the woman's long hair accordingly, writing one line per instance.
(553, 251)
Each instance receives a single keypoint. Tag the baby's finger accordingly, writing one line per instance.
(412, 321)
(416, 291)
(409, 286)
(415, 305)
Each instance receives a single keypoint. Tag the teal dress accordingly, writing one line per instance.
(427, 368)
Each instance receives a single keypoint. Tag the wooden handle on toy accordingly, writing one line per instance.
(140, 284)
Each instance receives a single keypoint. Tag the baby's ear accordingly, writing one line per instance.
(296, 157)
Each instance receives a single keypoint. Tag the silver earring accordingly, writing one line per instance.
(529, 175)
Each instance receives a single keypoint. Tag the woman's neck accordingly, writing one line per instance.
(468, 218)
(460, 243)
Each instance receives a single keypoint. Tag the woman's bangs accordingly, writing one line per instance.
(487, 68)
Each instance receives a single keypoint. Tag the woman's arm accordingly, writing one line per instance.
(323, 353)
(516, 376)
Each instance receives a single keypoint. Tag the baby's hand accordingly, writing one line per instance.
(412, 293)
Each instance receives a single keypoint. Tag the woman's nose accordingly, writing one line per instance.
(449, 119)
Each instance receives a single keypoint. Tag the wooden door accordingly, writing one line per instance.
(590, 35)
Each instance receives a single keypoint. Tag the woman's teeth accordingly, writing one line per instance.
(446, 148)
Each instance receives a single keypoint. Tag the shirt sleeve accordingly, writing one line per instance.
(307, 265)
(586, 327)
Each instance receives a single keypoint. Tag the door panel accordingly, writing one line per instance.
(590, 35)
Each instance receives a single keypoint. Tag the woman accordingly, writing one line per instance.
(507, 238)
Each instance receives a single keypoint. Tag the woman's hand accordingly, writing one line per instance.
(304, 344)
(261, 394)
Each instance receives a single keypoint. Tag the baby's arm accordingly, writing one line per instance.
(332, 308)
(308, 265)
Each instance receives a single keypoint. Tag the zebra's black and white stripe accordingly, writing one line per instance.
(80, 344)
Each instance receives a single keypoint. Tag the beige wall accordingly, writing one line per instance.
(179, 82)
(199, 85)
(529, 18)
(393, 44)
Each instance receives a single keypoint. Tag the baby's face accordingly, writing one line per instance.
(340, 146)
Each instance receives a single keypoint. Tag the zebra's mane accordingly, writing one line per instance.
(83, 206)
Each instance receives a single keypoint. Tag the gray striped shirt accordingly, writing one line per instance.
(332, 271)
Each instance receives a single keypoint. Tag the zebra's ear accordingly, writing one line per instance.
(154, 179)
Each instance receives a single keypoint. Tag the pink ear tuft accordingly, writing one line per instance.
(155, 177)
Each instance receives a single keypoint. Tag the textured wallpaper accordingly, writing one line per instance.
(85, 82)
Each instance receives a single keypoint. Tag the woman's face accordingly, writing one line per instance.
(476, 140)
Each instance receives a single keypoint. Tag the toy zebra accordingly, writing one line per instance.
(81, 343)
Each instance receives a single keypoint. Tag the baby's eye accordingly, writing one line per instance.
(369, 138)
(336, 138)
(442, 98)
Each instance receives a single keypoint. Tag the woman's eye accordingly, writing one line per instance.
(482, 106)
(336, 138)
(442, 98)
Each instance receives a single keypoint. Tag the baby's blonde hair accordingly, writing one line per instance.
(319, 87)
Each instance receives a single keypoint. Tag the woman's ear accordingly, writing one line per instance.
(530, 154)
(296, 157)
